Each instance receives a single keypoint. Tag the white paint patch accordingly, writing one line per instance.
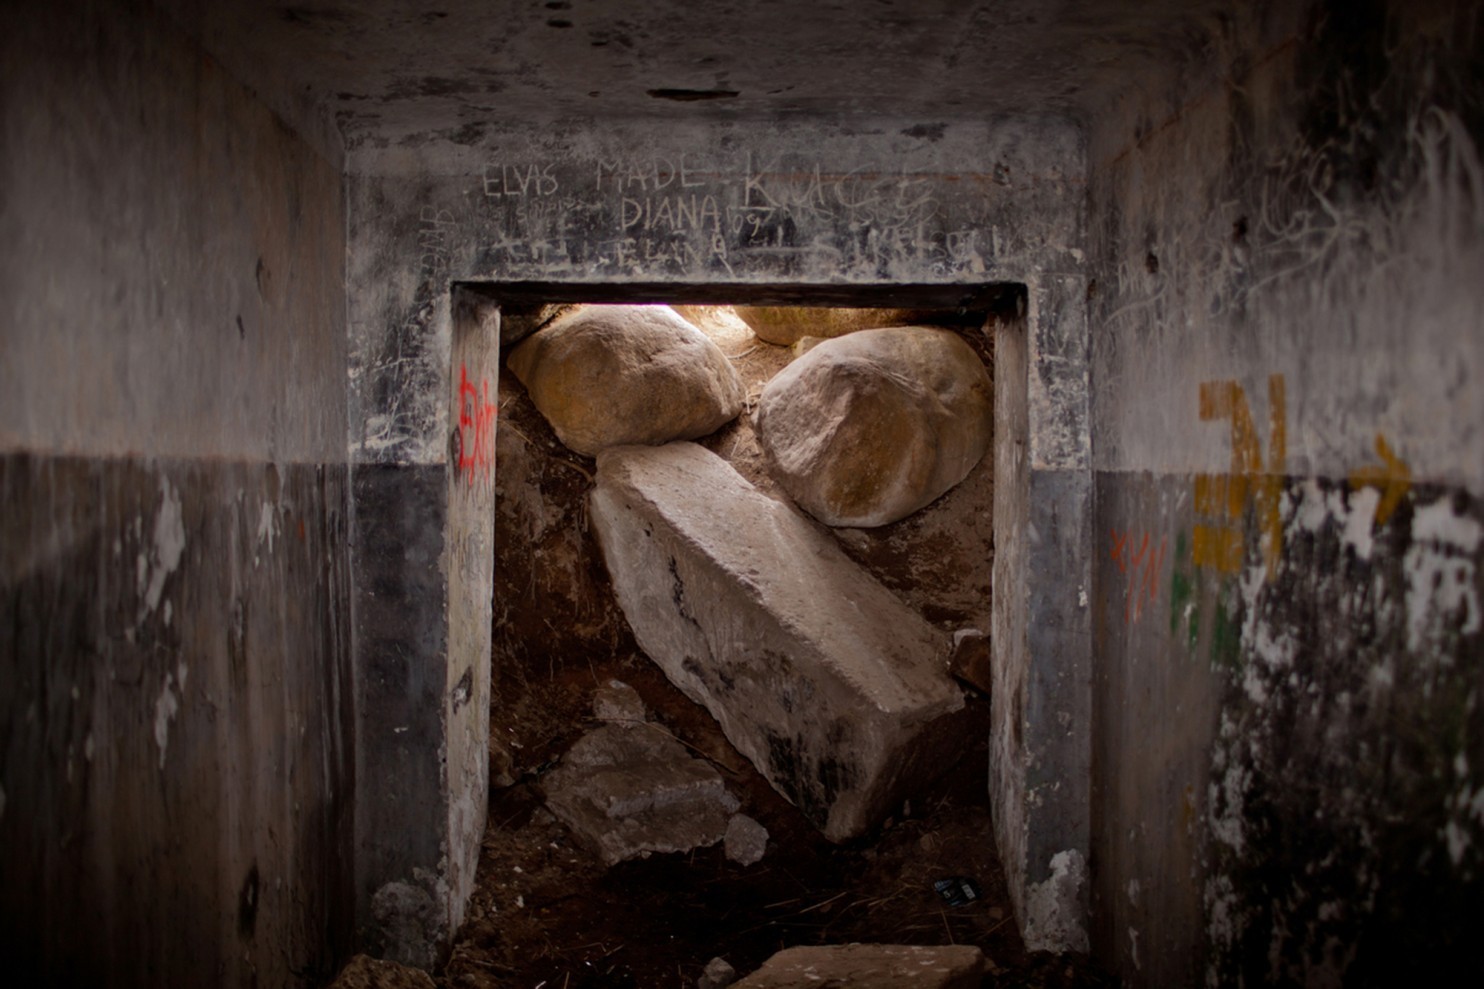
(1222, 909)
(267, 528)
(1269, 652)
(1053, 908)
(1355, 515)
(1440, 572)
(1133, 947)
(168, 548)
(1439, 523)
(1360, 524)
(1227, 796)
(1311, 512)
(166, 706)
(1133, 892)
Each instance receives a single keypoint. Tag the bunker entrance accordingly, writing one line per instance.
(676, 772)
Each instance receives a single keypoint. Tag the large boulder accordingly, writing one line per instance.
(786, 325)
(868, 428)
(870, 966)
(835, 690)
(612, 375)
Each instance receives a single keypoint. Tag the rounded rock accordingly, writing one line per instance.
(866, 429)
(618, 375)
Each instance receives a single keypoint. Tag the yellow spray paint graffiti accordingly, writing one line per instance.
(1393, 478)
(1222, 499)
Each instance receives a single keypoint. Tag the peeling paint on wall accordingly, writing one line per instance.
(1284, 240)
(164, 555)
(1347, 733)
(166, 706)
(1054, 912)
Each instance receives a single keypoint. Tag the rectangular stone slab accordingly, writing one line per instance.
(871, 966)
(835, 689)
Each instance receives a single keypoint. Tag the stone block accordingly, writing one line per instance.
(870, 966)
(630, 790)
(835, 689)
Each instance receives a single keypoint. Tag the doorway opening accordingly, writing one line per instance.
(551, 905)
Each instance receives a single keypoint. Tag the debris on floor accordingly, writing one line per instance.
(746, 840)
(871, 966)
(617, 701)
(365, 972)
(547, 907)
(718, 975)
(957, 891)
(629, 788)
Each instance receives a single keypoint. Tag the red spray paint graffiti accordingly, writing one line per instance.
(1142, 562)
(476, 429)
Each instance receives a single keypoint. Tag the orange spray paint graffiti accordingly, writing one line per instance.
(1142, 562)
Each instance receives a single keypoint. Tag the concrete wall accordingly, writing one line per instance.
(722, 203)
(174, 669)
(1286, 242)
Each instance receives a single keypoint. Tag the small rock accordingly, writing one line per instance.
(610, 375)
(718, 975)
(746, 840)
(870, 966)
(628, 792)
(971, 658)
(618, 702)
(365, 972)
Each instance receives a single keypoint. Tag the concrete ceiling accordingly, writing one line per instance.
(405, 70)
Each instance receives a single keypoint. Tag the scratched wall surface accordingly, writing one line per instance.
(175, 770)
(1289, 450)
(726, 204)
